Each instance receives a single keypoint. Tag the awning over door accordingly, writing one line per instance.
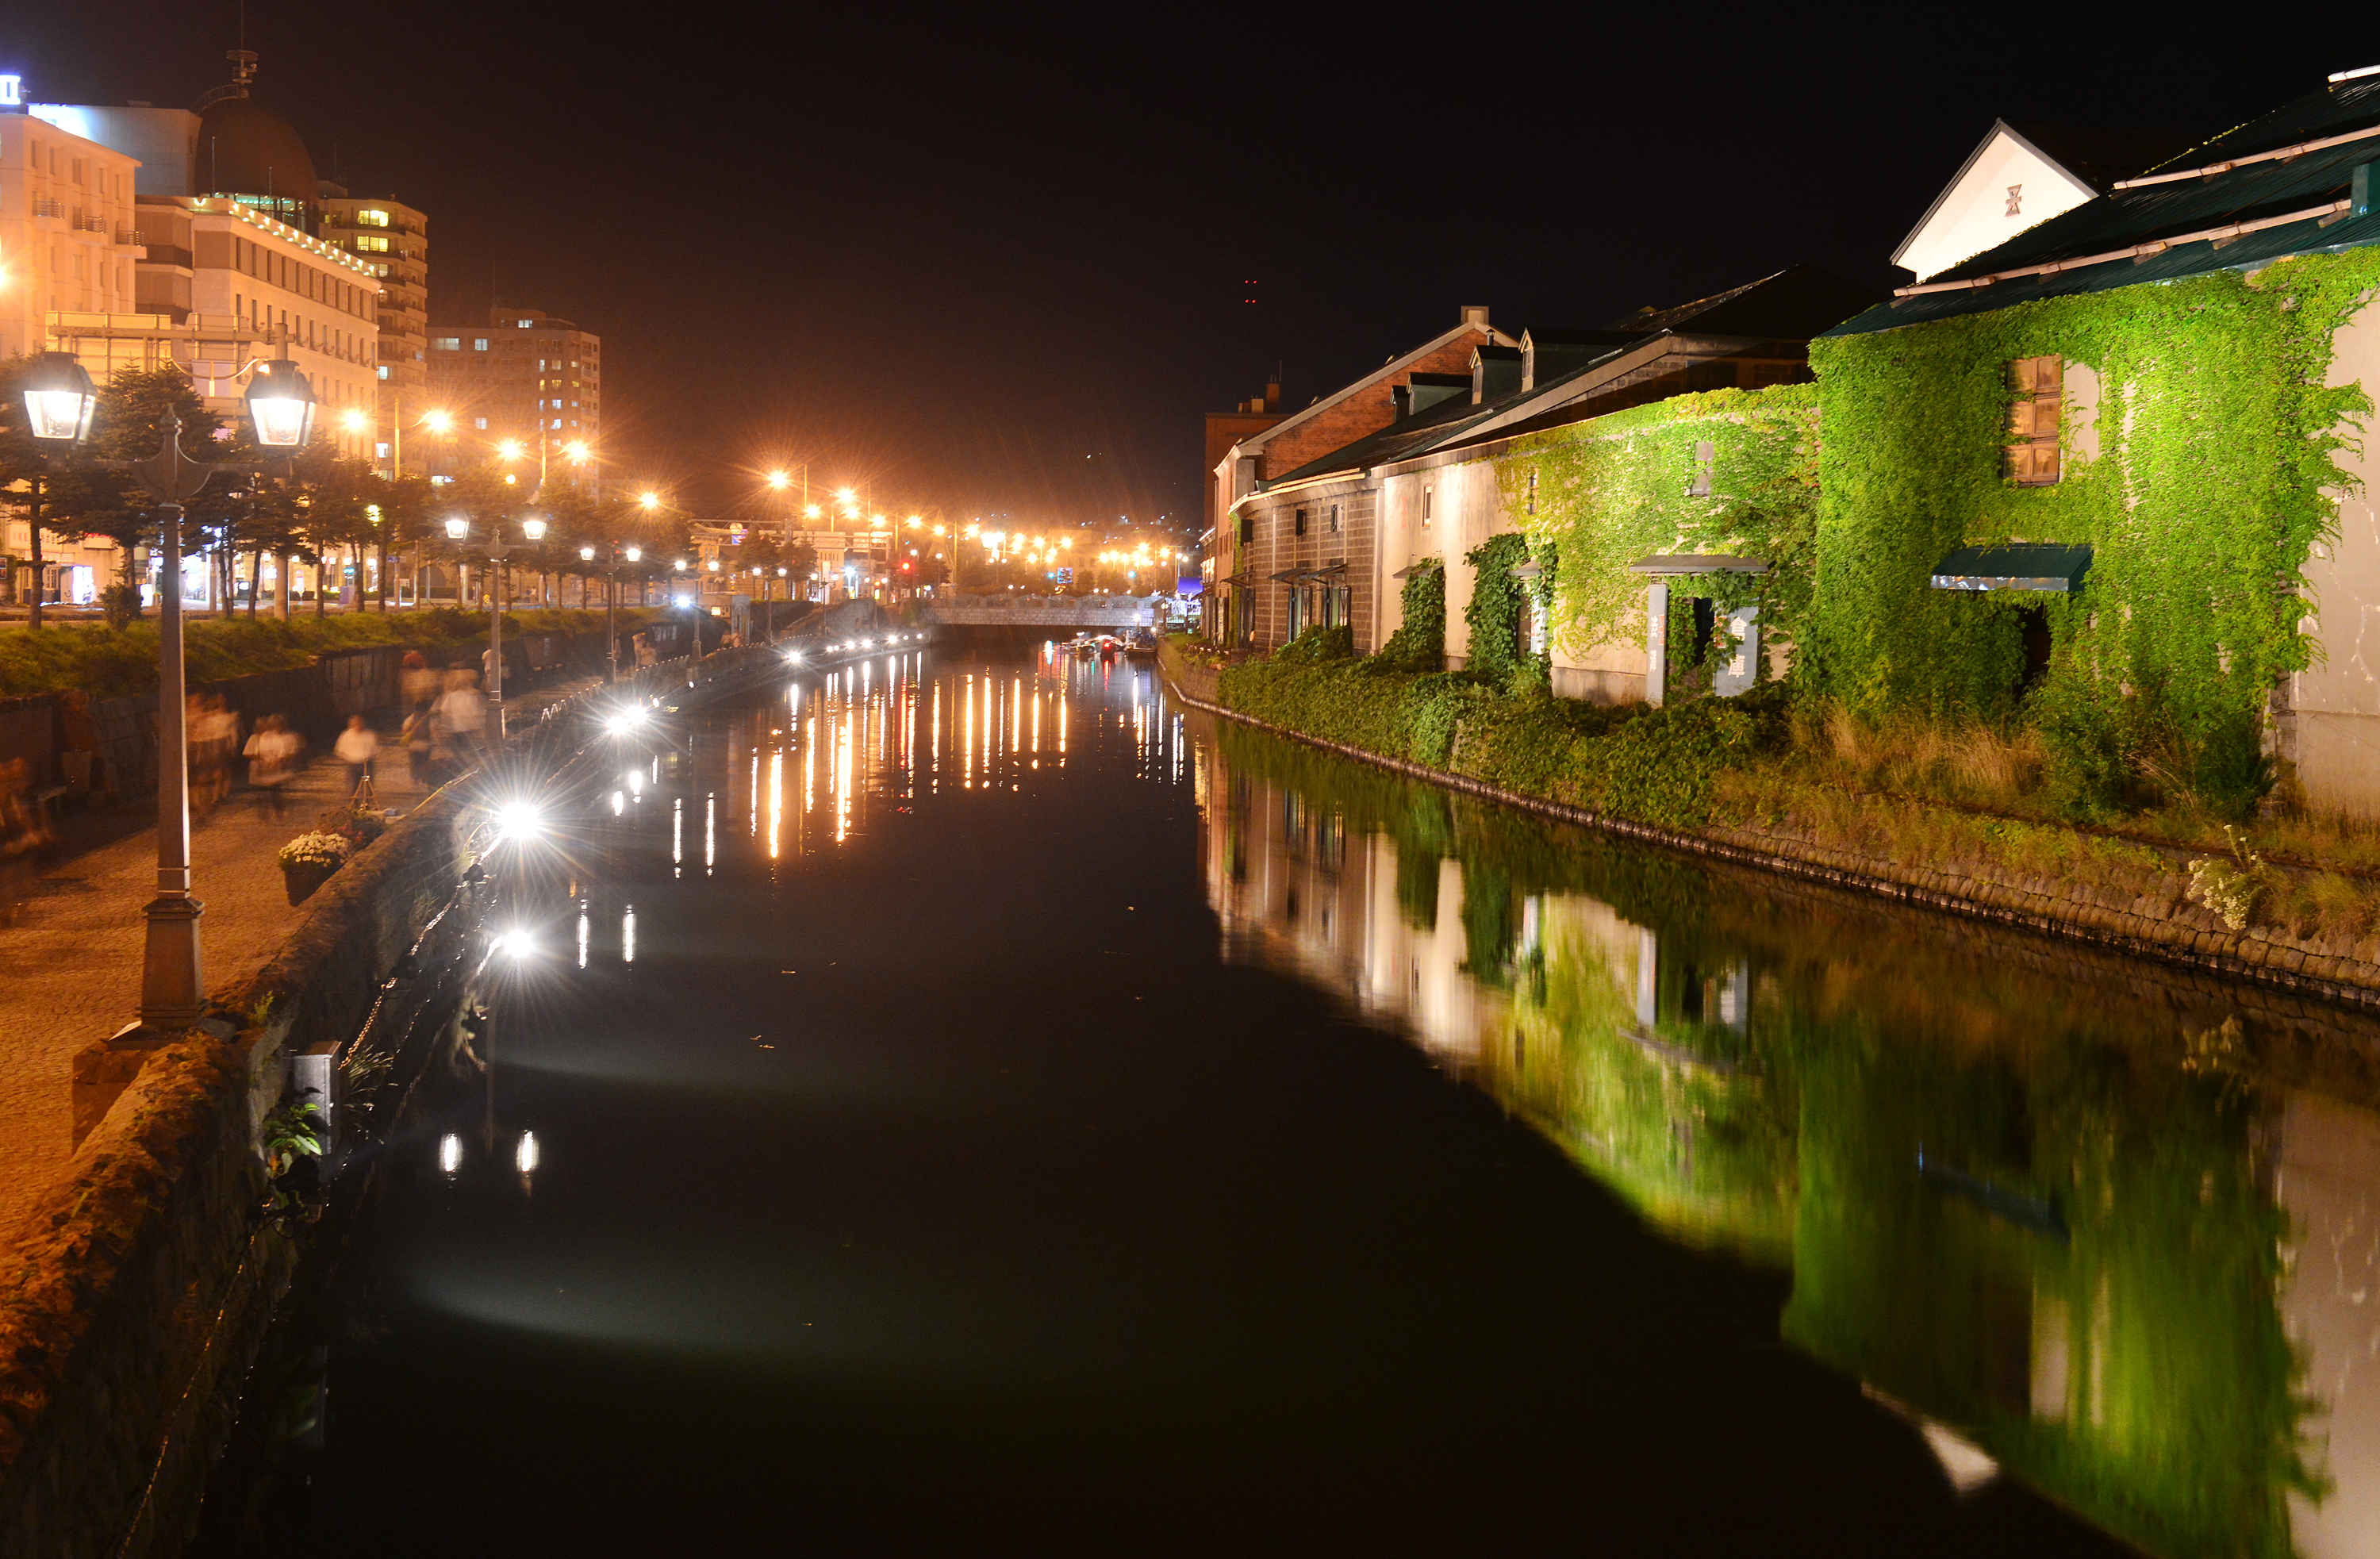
(2024, 565)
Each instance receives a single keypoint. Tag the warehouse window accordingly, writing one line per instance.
(2037, 388)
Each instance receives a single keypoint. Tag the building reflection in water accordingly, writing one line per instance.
(2112, 1232)
(815, 769)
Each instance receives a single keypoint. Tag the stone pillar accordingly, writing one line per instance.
(1657, 641)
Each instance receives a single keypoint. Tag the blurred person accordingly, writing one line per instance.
(272, 755)
(212, 737)
(358, 748)
(416, 681)
(421, 738)
(463, 715)
(22, 837)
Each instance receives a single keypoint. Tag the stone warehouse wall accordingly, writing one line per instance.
(140, 1287)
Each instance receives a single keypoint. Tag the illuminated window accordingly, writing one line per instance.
(377, 243)
(480, 423)
(373, 218)
(383, 370)
(447, 344)
(480, 343)
(1425, 497)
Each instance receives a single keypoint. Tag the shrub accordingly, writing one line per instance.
(121, 604)
(1316, 645)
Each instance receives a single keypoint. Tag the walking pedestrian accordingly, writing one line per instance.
(463, 715)
(271, 751)
(420, 736)
(357, 747)
(416, 681)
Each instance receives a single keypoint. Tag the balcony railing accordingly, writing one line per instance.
(127, 235)
(88, 222)
(49, 208)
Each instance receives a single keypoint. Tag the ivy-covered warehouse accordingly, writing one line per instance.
(2111, 473)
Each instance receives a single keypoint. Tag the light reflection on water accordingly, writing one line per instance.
(2114, 1231)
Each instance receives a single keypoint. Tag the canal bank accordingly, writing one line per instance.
(139, 1284)
(2138, 898)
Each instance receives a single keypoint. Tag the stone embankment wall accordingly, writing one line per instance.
(2143, 911)
(139, 1289)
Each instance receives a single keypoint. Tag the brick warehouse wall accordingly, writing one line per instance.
(1276, 546)
(1360, 413)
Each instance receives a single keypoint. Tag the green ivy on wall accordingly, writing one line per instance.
(1419, 643)
(1613, 490)
(2211, 482)
(1494, 612)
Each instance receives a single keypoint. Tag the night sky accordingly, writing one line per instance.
(997, 261)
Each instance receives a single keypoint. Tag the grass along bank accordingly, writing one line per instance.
(111, 662)
(1972, 815)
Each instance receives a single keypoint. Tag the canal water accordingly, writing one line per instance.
(972, 1105)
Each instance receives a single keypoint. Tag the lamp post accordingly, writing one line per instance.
(611, 597)
(58, 405)
(458, 529)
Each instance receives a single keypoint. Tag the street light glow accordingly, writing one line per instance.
(575, 449)
(649, 499)
(354, 420)
(780, 481)
(438, 422)
(457, 528)
(510, 449)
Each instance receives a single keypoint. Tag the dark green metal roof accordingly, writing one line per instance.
(2025, 565)
(2157, 213)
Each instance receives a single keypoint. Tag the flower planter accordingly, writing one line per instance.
(304, 877)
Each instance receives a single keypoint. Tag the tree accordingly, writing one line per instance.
(129, 424)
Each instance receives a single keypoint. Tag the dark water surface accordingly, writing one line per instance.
(966, 1105)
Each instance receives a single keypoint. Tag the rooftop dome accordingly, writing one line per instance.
(244, 149)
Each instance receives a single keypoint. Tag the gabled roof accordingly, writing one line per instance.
(1386, 372)
(1399, 439)
(2233, 203)
(1792, 305)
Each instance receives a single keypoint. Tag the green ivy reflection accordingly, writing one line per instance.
(2013, 1204)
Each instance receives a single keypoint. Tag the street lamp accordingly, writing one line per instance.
(59, 406)
(59, 403)
(59, 400)
(280, 405)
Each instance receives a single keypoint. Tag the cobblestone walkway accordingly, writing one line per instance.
(72, 954)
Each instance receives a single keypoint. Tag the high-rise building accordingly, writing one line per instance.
(392, 239)
(524, 376)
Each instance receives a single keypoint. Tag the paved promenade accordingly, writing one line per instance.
(72, 955)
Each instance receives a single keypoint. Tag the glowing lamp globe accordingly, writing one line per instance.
(58, 399)
(281, 405)
(457, 528)
(586, 555)
(636, 555)
(534, 528)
